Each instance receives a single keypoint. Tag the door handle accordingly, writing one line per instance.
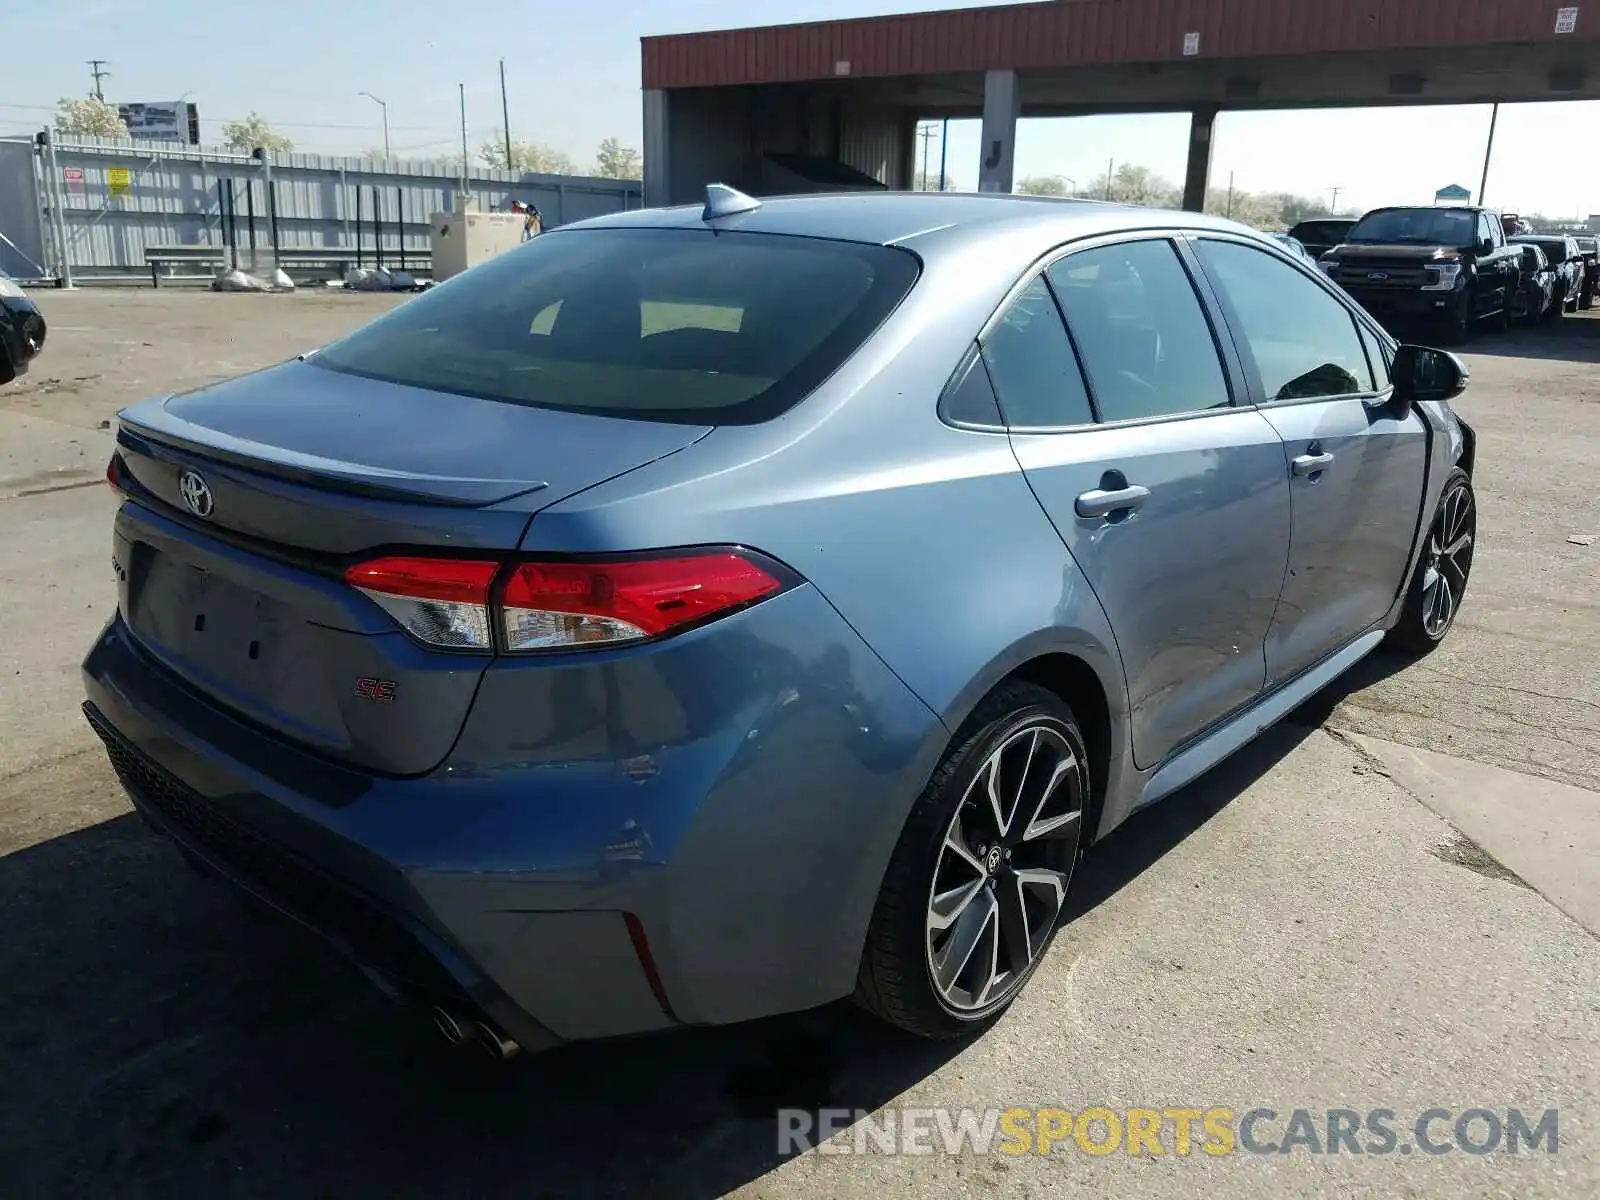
(1100, 503)
(1312, 464)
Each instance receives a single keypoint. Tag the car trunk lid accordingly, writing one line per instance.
(253, 496)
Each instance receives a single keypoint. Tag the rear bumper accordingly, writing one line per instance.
(736, 793)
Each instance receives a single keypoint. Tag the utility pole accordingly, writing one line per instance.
(1488, 151)
(1333, 207)
(97, 69)
(1110, 167)
(383, 105)
(1229, 213)
(944, 145)
(926, 134)
(462, 88)
(505, 113)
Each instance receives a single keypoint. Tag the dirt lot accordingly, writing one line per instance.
(1302, 928)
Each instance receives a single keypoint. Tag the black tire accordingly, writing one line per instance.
(1458, 325)
(1558, 309)
(1586, 299)
(1420, 629)
(896, 980)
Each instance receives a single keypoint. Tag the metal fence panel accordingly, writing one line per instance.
(121, 198)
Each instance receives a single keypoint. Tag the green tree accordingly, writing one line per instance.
(616, 161)
(89, 117)
(528, 157)
(255, 133)
(1042, 185)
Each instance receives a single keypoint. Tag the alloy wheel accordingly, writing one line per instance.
(1004, 867)
(1450, 544)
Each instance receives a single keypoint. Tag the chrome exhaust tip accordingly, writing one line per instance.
(455, 1029)
(496, 1044)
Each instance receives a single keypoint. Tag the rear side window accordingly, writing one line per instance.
(1032, 367)
(682, 325)
(1144, 338)
(1304, 341)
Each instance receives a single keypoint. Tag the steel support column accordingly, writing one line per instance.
(1002, 104)
(657, 139)
(1197, 174)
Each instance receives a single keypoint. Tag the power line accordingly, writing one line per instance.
(95, 69)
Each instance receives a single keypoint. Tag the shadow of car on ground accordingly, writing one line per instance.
(164, 1036)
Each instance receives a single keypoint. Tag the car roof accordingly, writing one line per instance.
(919, 218)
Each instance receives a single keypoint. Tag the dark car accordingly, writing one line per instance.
(1567, 259)
(1536, 296)
(22, 330)
(1451, 266)
(1321, 235)
(1589, 247)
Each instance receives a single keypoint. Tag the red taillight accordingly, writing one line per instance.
(561, 605)
(111, 475)
(443, 601)
(551, 605)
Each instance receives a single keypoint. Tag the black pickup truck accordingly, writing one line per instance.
(1450, 266)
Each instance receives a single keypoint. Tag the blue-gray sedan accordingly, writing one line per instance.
(699, 614)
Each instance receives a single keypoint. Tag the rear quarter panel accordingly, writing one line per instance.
(925, 538)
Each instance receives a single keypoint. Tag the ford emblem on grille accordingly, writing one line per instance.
(196, 493)
(1377, 274)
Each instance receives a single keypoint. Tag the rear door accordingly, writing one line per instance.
(1354, 463)
(1173, 501)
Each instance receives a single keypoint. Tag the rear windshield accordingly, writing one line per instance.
(1320, 231)
(1553, 247)
(685, 325)
(1417, 226)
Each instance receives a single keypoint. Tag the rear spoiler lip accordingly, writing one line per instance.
(165, 434)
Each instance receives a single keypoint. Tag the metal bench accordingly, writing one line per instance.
(211, 258)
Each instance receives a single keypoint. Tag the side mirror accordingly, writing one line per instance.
(1486, 246)
(1421, 373)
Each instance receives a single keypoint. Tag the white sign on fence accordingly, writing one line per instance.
(1566, 19)
(1191, 44)
(157, 122)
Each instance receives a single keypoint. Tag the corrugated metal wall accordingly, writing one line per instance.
(722, 136)
(1076, 32)
(172, 198)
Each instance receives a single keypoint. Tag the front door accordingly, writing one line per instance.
(1173, 502)
(1355, 464)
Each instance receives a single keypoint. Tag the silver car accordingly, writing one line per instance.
(699, 614)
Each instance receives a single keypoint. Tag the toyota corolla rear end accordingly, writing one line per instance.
(549, 795)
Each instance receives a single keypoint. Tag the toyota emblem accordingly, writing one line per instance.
(196, 493)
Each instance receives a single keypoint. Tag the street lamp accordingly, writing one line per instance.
(1073, 182)
(383, 105)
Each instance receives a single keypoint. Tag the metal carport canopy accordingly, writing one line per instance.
(1077, 57)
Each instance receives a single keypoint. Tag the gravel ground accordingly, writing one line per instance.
(1297, 930)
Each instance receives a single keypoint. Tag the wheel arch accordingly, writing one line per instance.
(1088, 678)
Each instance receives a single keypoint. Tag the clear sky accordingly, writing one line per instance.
(573, 76)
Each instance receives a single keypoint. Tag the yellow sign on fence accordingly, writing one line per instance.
(120, 179)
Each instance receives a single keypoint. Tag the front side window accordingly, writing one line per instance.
(1377, 357)
(684, 325)
(1144, 338)
(1304, 342)
(1031, 364)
